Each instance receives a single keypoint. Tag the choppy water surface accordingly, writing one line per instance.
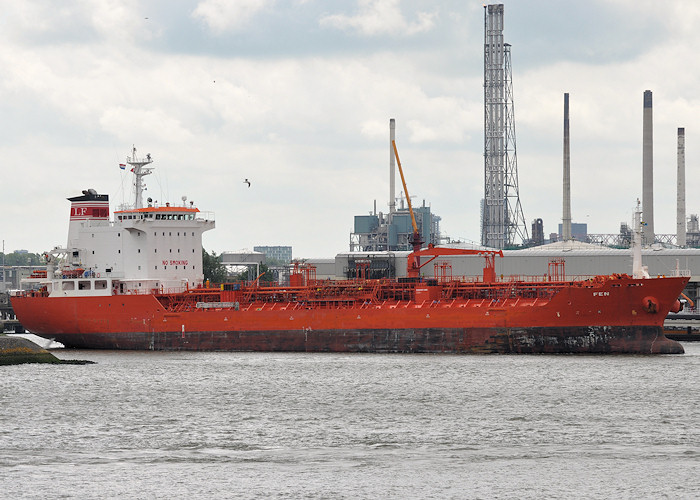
(259, 425)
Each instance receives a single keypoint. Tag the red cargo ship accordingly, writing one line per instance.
(136, 283)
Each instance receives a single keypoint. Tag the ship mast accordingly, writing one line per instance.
(140, 170)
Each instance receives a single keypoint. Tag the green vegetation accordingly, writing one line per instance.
(214, 270)
(22, 259)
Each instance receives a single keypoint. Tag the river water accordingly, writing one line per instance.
(266, 425)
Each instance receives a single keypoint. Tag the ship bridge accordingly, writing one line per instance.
(166, 213)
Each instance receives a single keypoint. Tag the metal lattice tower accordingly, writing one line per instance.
(502, 219)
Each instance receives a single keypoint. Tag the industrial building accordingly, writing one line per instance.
(577, 231)
(377, 251)
(277, 254)
(572, 260)
(392, 231)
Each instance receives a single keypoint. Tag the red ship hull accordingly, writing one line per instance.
(609, 315)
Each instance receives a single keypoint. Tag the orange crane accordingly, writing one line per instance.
(413, 265)
(413, 259)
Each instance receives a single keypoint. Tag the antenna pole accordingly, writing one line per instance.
(140, 170)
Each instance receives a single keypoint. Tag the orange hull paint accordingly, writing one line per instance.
(609, 314)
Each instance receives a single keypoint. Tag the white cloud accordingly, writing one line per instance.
(227, 15)
(310, 123)
(380, 17)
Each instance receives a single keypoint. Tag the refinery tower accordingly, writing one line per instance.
(502, 219)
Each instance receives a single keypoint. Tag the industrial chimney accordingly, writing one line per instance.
(392, 167)
(566, 216)
(648, 171)
(680, 202)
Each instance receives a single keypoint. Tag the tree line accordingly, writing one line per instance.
(215, 271)
(22, 259)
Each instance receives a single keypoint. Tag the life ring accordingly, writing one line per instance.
(98, 275)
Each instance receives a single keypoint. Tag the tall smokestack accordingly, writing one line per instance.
(648, 171)
(680, 202)
(566, 215)
(392, 167)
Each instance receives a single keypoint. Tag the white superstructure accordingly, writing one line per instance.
(141, 250)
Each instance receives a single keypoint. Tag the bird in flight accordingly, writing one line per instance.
(247, 182)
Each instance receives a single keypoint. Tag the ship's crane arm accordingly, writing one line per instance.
(405, 189)
(413, 265)
(490, 255)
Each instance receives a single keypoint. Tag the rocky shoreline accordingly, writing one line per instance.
(18, 350)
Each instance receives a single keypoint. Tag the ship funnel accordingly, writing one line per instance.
(84, 210)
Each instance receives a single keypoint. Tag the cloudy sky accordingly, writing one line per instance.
(297, 95)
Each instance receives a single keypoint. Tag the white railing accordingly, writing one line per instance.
(206, 216)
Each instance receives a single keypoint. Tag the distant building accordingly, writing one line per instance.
(579, 232)
(537, 232)
(693, 232)
(235, 262)
(393, 231)
(279, 254)
(625, 235)
(11, 276)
